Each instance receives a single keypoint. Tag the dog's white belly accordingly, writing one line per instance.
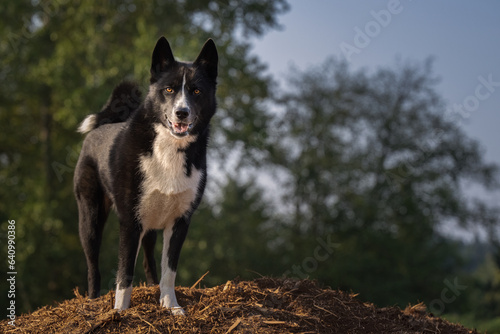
(167, 192)
(159, 210)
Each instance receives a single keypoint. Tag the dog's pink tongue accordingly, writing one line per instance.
(180, 127)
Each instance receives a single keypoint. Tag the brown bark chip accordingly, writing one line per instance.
(264, 305)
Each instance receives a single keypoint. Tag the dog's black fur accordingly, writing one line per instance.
(148, 161)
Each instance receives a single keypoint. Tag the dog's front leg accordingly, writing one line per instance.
(148, 245)
(130, 238)
(173, 238)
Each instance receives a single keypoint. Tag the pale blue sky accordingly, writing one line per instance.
(462, 36)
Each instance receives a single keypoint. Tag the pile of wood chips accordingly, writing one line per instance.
(263, 305)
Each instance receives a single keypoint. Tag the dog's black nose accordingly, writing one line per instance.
(182, 113)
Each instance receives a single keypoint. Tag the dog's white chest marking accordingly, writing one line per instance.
(167, 192)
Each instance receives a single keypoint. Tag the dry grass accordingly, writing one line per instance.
(263, 305)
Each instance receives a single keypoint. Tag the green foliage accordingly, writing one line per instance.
(491, 326)
(486, 282)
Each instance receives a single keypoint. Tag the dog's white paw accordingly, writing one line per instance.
(122, 298)
(169, 301)
(177, 311)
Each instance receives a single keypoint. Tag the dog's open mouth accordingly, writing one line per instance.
(179, 129)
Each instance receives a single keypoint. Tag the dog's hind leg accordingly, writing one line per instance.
(130, 239)
(93, 209)
(173, 238)
(148, 245)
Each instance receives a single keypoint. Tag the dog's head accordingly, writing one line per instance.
(183, 94)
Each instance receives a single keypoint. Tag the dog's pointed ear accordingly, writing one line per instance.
(162, 57)
(208, 58)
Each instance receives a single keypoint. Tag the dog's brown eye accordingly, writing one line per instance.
(196, 92)
(169, 90)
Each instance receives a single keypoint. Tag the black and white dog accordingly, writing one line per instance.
(147, 160)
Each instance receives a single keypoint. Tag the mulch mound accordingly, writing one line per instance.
(263, 305)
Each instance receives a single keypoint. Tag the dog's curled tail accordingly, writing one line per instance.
(122, 103)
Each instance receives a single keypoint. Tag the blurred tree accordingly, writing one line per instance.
(373, 164)
(485, 297)
(231, 237)
(59, 62)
